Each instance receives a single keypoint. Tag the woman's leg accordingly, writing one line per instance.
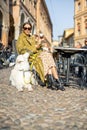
(49, 79)
(54, 72)
(57, 83)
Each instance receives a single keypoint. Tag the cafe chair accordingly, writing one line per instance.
(78, 67)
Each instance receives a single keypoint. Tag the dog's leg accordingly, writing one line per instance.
(20, 88)
(30, 87)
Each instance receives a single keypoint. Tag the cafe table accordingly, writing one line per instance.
(67, 52)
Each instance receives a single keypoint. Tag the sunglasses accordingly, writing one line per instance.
(25, 28)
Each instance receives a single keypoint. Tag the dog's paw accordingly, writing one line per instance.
(30, 89)
(20, 90)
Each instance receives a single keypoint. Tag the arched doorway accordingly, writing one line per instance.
(33, 29)
(22, 21)
(11, 30)
(1, 20)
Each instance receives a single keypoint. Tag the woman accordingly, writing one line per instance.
(49, 66)
(27, 42)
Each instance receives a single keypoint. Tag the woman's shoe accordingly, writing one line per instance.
(49, 81)
(39, 81)
(58, 85)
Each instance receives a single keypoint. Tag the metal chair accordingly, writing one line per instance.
(79, 67)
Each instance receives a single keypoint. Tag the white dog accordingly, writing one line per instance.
(21, 76)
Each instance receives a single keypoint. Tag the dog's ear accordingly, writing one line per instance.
(19, 59)
(26, 55)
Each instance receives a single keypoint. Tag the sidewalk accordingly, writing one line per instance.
(42, 109)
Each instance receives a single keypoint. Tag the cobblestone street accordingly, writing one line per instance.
(42, 109)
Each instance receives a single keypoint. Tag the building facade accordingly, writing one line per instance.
(68, 38)
(4, 21)
(44, 24)
(13, 13)
(80, 21)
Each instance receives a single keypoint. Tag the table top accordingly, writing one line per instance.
(68, 51)
(70, 48)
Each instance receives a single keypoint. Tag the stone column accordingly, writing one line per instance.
(5, 31)
(17, 31)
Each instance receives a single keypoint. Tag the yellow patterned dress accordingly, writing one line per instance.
(47, 60)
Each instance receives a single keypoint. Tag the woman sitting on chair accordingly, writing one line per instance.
(27, 42)
(50, 71)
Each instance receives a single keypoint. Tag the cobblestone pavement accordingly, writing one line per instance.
(42, 109)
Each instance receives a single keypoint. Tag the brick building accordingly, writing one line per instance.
(13, 13)
(4, 21)
(80, 19)
(68, 37)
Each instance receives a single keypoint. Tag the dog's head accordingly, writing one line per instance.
(26, 55)
(22, 62)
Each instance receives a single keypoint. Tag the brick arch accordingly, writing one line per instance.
(22, 19)
(11, 29)
(33, 29)
(1, 24)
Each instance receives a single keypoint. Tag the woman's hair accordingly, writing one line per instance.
(27, 23)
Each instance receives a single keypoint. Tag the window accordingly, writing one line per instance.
(79, 6)
(35, 2)
(85, 23)
(79, 28)
(86, 26)
(86, 3)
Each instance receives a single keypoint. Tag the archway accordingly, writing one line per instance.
(1, 20)
(22, 21)
(11, 30)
